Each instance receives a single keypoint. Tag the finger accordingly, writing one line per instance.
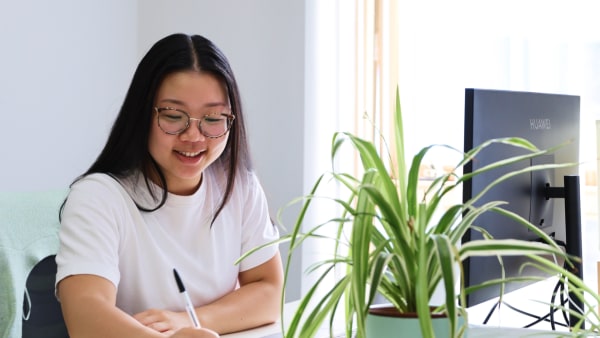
(148, 317)
(157, 320)
(160, 326)
(195, 333)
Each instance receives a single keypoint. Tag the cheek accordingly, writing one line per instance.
(219, 147)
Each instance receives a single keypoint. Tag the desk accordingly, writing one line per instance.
(475, 331)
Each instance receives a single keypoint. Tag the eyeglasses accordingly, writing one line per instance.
(175, 121)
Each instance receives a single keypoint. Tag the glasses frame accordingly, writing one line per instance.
(230, 119)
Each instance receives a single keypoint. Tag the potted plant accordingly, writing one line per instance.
(389, 241)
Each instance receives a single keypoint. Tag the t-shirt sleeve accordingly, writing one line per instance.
(258, 228)
(89, 233)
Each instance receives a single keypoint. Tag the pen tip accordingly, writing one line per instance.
(178, 281)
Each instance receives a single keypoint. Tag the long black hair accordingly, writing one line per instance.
(126, 149)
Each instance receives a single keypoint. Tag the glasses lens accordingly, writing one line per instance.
(172, 121)
(215, 125)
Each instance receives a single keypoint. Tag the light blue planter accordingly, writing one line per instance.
(386, 322)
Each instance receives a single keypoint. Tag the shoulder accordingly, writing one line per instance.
(97, 183)
(97, 190)
(247, 184)
(217, 173)
(249, 191)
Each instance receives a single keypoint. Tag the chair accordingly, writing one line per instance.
(28, 242)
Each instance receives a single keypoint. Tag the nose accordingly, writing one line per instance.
(193, 133)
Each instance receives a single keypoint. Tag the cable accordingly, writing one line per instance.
(538, 318)
(489, 315)
(557, 287)
(548, 317)
(564, 301)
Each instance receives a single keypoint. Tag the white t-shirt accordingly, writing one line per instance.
(103, 233)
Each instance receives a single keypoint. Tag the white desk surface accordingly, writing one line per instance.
(475, 331)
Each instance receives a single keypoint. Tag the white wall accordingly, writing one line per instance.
(66, 65)
(64, 68)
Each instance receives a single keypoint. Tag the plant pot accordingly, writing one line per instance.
(384, 321)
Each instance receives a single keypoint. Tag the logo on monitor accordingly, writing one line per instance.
(539, 124)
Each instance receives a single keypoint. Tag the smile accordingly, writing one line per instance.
(189, 154)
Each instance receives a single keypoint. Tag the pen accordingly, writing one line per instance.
(188, 303)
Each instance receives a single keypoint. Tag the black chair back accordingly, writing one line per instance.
(42, 315)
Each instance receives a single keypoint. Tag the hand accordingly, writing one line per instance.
(166, 322)
(194, 333)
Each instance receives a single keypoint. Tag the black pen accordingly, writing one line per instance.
(188, 302)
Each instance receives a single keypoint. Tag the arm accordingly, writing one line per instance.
(257, 302)
(88, 305)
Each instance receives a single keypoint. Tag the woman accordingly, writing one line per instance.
(173, 188)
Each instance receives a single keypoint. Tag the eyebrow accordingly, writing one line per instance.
(181, 103)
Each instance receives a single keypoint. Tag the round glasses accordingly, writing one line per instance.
(175, 121)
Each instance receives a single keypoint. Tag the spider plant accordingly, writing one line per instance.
(390, 240)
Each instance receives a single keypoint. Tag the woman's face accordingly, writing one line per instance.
(183, 157)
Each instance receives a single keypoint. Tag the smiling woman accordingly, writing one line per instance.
(173, 188)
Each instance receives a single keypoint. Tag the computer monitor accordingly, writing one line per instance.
(546, 120)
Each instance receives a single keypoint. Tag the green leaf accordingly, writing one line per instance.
(446, 257)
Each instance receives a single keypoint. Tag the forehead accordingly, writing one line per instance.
(191, 89)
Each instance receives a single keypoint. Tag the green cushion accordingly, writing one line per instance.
(28, 233)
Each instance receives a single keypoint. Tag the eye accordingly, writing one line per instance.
(172, 115)
(214, 119)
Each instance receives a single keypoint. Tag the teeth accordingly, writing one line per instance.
(188, 154)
